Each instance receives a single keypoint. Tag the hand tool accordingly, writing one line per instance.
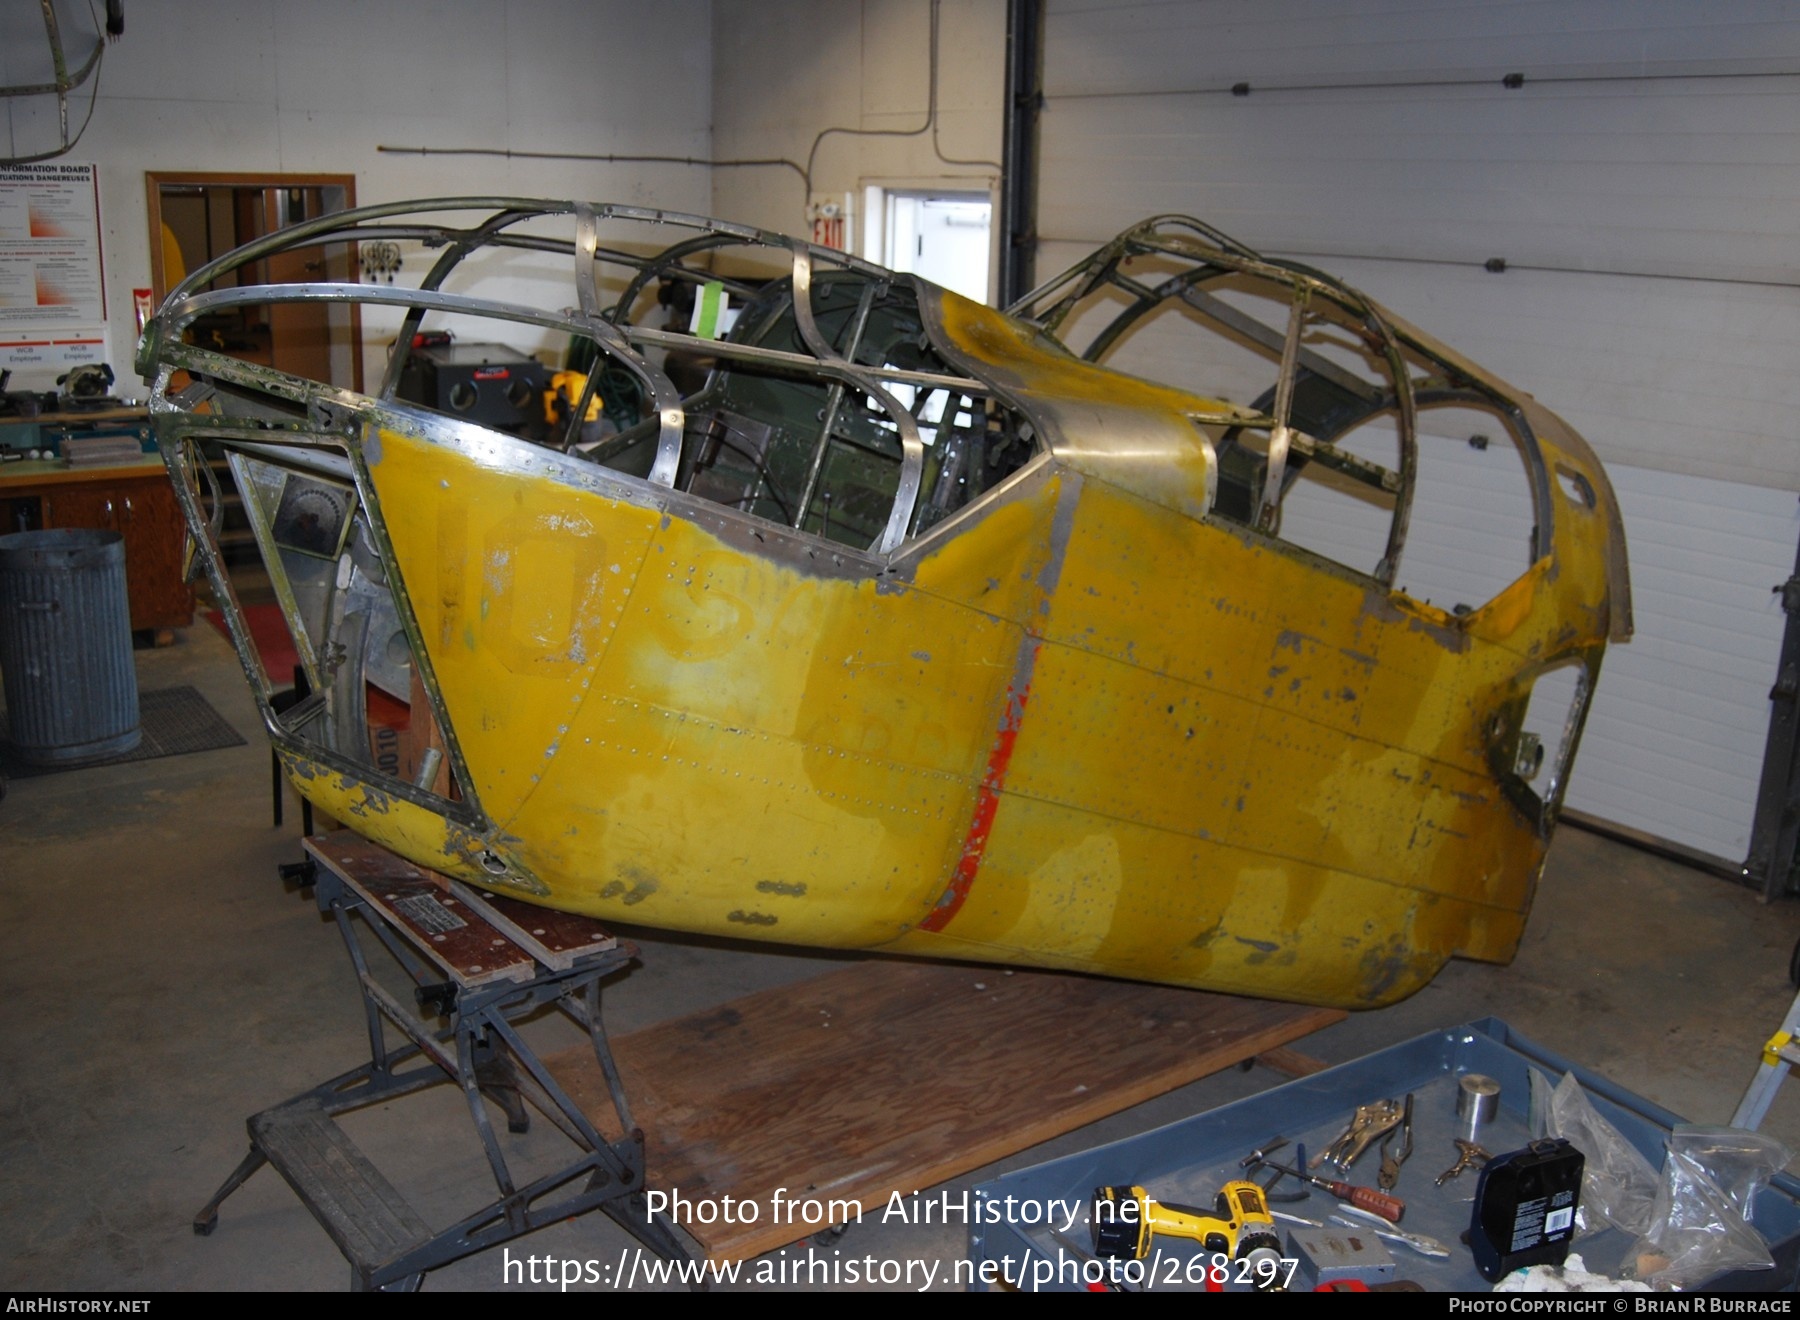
(1370, 1122)
(1419, 1242)
(1390, 1208)
(1255, 1159)
(1471, 1156)
(1302, 1220)
(1390, 1160)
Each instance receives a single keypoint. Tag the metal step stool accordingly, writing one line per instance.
(482, 962)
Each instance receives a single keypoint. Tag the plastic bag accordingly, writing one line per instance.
(1619, 1186)
(1702, 1210)
(1741, 1162)
(1537, 1113)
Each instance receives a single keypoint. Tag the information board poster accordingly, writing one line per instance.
(52, 277)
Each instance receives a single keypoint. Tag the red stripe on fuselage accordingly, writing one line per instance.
(987, 802)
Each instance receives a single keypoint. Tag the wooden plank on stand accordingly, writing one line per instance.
(893, 1076)
(556, 939)
(454, 934)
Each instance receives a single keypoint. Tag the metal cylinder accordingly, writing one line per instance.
(65, 646)
(1477, 1101)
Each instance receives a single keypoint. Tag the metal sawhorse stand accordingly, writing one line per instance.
(483, 962)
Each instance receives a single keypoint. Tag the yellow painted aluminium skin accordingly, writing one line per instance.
(1081, 725)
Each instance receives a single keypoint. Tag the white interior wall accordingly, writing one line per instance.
(784, 70)
(256, 85)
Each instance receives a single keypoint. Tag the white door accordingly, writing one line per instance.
(943, 237)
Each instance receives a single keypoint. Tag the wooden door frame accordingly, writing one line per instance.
(155, 180)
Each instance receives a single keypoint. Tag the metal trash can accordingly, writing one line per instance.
(65, 646)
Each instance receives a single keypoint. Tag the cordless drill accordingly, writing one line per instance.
(1240, 1227)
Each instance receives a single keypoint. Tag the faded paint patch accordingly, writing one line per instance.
(1385, 968)
(642, 885)
(1072, 898)
(779, 887)
(751, 918)
(1444, 629)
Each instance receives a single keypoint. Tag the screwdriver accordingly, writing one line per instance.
(1390, 1208)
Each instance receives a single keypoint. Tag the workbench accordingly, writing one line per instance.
(134, 499)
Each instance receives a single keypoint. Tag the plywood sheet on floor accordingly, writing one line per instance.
(894, 1076)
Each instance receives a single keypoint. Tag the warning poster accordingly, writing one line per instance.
(50, 269)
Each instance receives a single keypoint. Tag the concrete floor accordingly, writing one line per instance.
(163, 986)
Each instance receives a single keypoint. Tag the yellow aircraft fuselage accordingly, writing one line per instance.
(1084, 723)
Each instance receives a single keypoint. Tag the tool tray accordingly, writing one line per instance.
(1187, 1161)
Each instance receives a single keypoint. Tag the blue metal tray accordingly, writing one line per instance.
(1187, 1161)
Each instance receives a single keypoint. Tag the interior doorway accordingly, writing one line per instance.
(944, 236)
(195, 217)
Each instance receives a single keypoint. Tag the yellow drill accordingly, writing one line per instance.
(1240, 1227)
